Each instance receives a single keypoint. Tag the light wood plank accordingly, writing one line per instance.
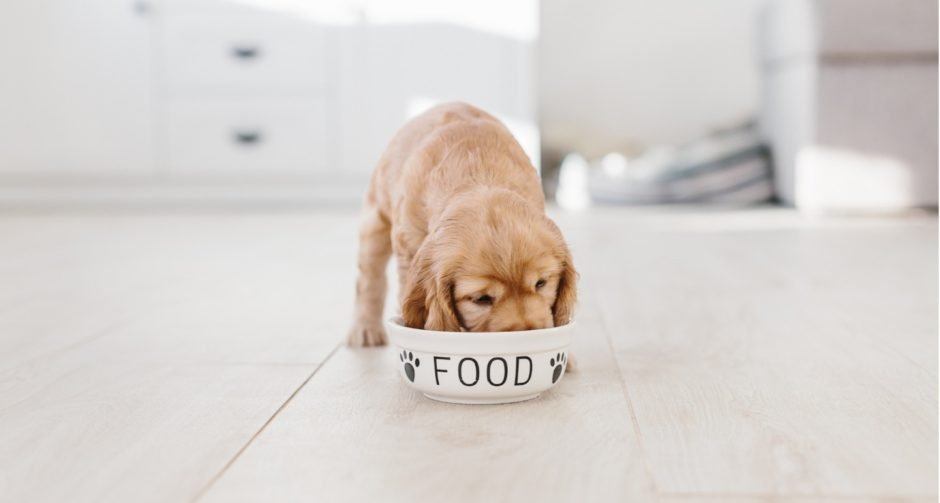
(357, 433)
(207, 286)
(794, 362)
(129, 343)
(760, 356)
(794, 499)
(96, 432)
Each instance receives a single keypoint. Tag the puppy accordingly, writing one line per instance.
(458, 202)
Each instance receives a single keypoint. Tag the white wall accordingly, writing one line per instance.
(621, 74)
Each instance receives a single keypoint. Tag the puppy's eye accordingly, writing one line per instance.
(483, 300)
(539, 284)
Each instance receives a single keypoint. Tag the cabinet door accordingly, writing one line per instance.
(422, 64)
(76, 91)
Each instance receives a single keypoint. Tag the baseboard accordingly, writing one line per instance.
(334, 194)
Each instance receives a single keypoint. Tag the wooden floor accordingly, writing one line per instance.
(724, 356)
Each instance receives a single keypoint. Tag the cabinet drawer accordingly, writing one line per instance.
(254, 138)
(235, 53)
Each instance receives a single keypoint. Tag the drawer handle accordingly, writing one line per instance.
(141, 7)
(245, 52)
(247, 137)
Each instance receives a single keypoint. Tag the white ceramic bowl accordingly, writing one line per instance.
(481, 367)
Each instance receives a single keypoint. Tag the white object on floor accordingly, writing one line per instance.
(834, 180)
(481, 367)
(573, 183)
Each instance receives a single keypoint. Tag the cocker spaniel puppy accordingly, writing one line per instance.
(458, 202)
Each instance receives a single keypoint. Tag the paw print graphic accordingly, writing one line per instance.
(559, 363)
(410, 363)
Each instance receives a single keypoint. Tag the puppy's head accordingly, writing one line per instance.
(492, 268)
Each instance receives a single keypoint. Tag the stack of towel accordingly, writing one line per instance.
(731, 167)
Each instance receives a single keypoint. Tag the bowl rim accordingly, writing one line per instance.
(480, 343)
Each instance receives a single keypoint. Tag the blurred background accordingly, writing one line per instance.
(828, 105)
(748, 189)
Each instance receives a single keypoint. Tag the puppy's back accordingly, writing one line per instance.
(450, 148)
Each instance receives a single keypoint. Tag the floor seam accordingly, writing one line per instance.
(626, 394)
(215, 478)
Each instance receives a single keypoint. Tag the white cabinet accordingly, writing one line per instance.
(238, 53)
(246, 96)
(254, 139)
(243, 98)
(393, 72)
(76, 91)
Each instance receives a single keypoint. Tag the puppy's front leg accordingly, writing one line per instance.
(375, 248)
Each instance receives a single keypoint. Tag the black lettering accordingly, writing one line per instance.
(476, 366)
(518, 366)
(489, 374)
(439, 371)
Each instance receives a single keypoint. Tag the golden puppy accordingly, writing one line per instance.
(457, 201)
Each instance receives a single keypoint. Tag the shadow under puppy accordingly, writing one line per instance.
(458, 202)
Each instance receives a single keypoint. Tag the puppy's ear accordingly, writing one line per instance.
(567, 294)
(419, 281)
(428, 301)
(441, 314)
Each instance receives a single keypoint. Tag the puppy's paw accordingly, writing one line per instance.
(571, 364)
(366, 333)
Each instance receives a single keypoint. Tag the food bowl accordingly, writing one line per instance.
(481, 367)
